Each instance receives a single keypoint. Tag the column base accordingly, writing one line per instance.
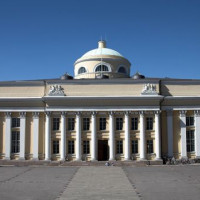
(21, 158)
(62, 160)
(184, 157)
(143, 159)
(78, 160)
(158, 159)
(47, 159)
(127, 159)
(197, 157)
(94, 160)
(35, 159)
(7, 158)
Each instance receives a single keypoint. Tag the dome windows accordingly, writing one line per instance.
(122, 70)
(101, 68)
(81, 70)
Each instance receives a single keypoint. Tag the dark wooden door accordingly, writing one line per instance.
(103, 150)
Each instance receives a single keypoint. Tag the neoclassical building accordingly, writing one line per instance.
(102, 113)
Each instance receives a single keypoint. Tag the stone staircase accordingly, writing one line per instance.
(77, 163)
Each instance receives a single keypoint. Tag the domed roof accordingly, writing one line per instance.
(101, 50)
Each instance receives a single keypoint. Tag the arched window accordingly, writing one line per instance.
(122, 70)
(101, 68)
(81, 70)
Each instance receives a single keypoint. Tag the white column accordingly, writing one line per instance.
(170, 133)
(183, 133)
(157, 135)
(197, 133)
(142, 137)
(78, 136)
(111, 137)
(94, 138)
(35, 135)
(8, 136)
(48, 136)
(63, 136)
(22, 135)
(127, 136)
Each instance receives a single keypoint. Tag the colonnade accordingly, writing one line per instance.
(127, 153)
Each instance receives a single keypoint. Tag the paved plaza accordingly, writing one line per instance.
(100, 182)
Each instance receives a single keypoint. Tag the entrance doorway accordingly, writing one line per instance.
(103, 150)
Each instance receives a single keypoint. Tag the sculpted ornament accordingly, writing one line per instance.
(149, 89)
(56, 90)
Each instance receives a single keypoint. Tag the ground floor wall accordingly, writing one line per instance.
(99, 135)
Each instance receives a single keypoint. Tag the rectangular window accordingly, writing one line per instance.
(71, 122)
(86, 147)
(70, 147)
(119, 147)
(56, 124)
(15, 142)
(149, 121)
(189, 121)
(55, 146)
(149, 146)
(134, 123)
(134, 146)
(102, 123)
(15, 122)
(190, 140)
(119, 124)
(86, 124)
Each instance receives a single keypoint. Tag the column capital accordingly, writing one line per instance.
(22, 114)
(169, 112)
(197, 112)
(48, 113)
(141, 113)
(157, 112)
(127, 113)
(8, 114)
(93, 113)
(111, 113)
(182, 113)
(78, 114)
(63, 114)
(35, 114)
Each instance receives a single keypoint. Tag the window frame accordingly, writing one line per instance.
(56, 147)
(82, 70)
(70, 146)
(190, 141)
(134, 146)
(15, 122)
(86, 124)
(134, 123)
(71, 124)
(102, 123)
(149, 123)
(56, 124)
(119, 123)
(150, 147)
(119, 146)
(15, 142)
(189, 121)
(122, 67)
(86, 147)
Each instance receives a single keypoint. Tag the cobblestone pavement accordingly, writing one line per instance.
(27, 183)
(166, 182)
(97, 183)
(100, 182)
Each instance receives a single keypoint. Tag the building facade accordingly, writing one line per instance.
(101, 114)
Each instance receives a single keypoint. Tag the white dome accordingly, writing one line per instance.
(101, 51)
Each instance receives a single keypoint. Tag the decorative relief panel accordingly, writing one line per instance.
(56, 90)
(149, 89)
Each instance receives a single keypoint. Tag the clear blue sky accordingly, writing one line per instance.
(43, 38)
